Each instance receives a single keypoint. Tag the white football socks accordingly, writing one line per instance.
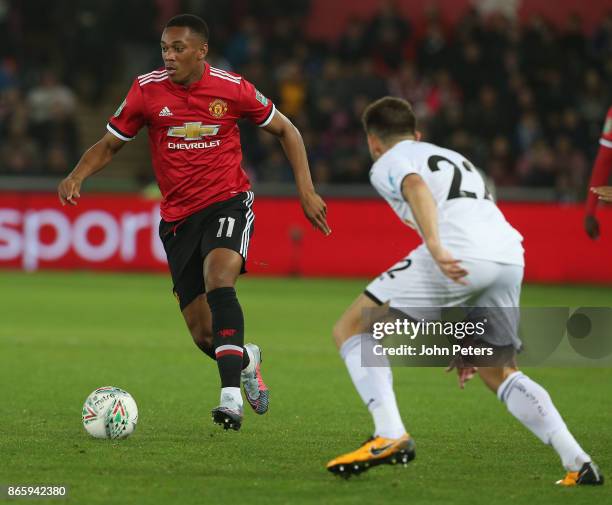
(531, 404)
(375, 386)
(232, 394)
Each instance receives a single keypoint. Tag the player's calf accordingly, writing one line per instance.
(493, 377)
(228, 338)
(228, 334)
(204, 342)
(531, 404)
(355, 320)
(199, 322)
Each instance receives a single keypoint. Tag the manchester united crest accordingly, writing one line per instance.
(217, 108)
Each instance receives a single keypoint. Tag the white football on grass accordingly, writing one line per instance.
(110, 412)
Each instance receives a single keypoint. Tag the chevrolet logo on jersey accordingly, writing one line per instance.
(193, 131)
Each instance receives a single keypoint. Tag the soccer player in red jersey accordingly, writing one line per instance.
(191, 110)
(599, 177)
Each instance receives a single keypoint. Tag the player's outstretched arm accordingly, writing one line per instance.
(425, 212)
(290, 138)
(93, 160)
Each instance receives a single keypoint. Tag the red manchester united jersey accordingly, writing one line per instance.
(193, 135)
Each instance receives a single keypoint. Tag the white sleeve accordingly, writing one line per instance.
(396, 168)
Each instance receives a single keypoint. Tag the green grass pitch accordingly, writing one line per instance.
(64, 334)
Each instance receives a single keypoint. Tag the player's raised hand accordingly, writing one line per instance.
(604, 193)
(315, 210)
(591, 226)
(448, 264)
(69, 190)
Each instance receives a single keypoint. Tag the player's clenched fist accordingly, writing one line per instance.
(69, 190)
(316, 211)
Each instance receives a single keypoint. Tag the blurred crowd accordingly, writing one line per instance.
(38, 132)
(525, 102)
(55, 57)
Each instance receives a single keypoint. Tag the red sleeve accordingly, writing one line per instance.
(599, 177)
(606, 134)
(130, 116)
(254, 105)
(602, 166)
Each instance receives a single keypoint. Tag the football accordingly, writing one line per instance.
(110, 412)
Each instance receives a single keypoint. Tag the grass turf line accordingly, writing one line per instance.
(64, 334)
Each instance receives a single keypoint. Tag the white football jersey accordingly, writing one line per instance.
(469, 223)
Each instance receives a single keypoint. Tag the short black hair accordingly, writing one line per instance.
(195, 23)
(389, 117)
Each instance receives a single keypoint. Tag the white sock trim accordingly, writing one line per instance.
(365, 342)
(349, 344)
(505, 387)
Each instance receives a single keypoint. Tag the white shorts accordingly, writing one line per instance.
(417, 282)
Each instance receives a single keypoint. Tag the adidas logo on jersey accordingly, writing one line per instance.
(165, 112)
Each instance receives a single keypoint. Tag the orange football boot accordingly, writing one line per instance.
(375, 451)
(588, 475)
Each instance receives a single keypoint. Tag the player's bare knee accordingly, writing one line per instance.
(221, 269)
(219, 280)
(221, 275)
